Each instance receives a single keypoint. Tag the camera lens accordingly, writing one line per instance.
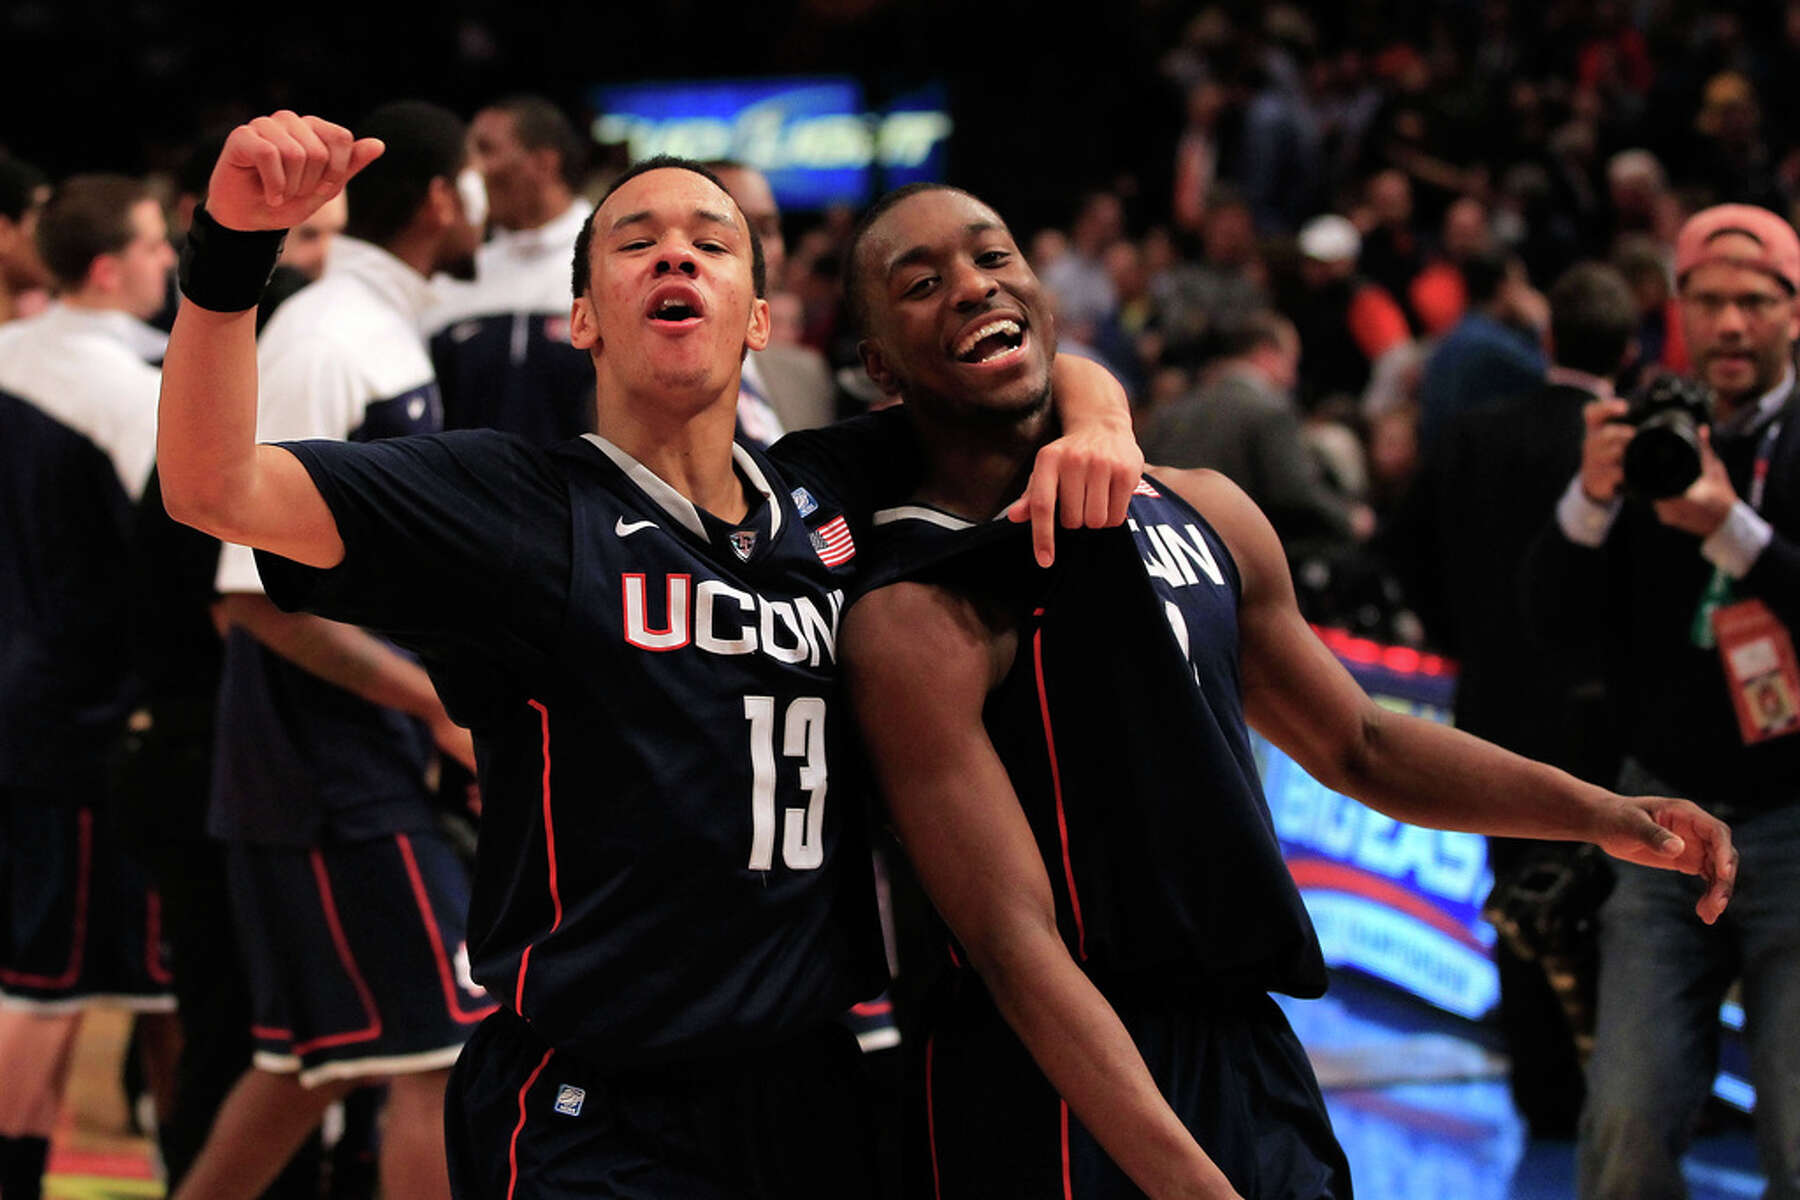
(1663, 460)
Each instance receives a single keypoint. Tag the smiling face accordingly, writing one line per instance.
(954, 312)
(671, 299)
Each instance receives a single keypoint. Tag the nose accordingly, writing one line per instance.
(969, 285)
(677, 258)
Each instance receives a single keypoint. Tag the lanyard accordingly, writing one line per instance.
(1719, 590)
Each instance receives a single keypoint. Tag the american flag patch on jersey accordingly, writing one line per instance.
(1143, 488)
(832, 541)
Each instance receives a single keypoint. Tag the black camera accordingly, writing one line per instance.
(1663, 459)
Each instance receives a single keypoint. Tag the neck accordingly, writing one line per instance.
(91, 300)
(976, 468)
(416, 250)
(547, 206)
(688, 450)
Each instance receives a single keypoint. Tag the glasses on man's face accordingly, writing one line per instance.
(1756, 306)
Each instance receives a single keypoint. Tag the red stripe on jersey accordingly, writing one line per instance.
(512, 1147)
(937, 1190)
(372, 1030)
(1068, 1184)
(1143, 488)
(833, 542)
(153, 960)
(550, 856)
(1062, 820)
(84, 871)
(451, 1003)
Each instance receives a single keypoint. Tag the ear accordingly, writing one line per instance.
(103, 274)
(584, 326)
(756, 336)
(442, 203)
(876, 364)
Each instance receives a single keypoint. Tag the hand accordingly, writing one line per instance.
(1676, 835)
(278, 170)
(1089, 473)
(453, 740)
(1704, 506)
(1603, 450)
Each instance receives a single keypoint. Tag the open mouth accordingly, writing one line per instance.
(990, 341)
(674, 306)
(674, 310)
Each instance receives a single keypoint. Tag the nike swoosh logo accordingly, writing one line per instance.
(626, 528)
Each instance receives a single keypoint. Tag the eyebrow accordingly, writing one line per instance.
(922, 253)
(705, 214)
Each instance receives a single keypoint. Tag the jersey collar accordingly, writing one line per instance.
(679, 506)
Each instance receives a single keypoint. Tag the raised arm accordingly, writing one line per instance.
(920, 663)
(273, 173)
(1299, 696)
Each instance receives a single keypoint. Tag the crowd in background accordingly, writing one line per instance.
(1330, 234)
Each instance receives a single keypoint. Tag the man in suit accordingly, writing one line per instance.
(790, 383)
(1488, 486)
(1243, 424)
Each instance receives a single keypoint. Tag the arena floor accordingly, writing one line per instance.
(1419, 1102)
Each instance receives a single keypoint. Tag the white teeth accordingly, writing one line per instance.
(1005, 325)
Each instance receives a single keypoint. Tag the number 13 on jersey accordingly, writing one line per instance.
(803, 738)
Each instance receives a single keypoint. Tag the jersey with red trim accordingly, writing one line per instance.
(671, 865)
(1121, 725)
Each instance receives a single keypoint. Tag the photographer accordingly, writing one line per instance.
(1677, 547)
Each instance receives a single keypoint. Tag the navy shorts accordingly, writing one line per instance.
(356, 956)
(524, 1121)
(1233, 1072)
(79, 920)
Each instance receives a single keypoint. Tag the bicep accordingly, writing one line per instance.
(919, 674)
(1295, 691)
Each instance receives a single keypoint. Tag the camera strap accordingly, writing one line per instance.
(1719, 589)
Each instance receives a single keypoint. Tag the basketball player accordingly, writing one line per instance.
(639, 627)
(1065, 756)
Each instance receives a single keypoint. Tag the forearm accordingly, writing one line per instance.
(344, 655)
(1088, 399)
(1090, 1059)
(206, 423)
(1424, 773)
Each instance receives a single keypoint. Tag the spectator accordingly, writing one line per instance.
(500, 340)
(1242, 422)
(1084, 289)
(1392, 251)
(1345, 322)
(23, 275)
(1486, 489)
(783, 386)
(1681, 593)
(1438, 295)
(1493, 352)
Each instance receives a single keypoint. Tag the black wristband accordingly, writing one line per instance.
(225, 270)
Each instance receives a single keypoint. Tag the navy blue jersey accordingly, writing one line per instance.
(667, 869)
(1122, 727)
(515, 371)
(77, 430)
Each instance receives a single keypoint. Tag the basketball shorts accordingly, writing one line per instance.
(80, 922)
(355, 955)
(1233, 1071)
(524, 1121)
